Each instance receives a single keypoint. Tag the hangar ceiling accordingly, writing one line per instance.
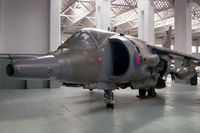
(77, 14)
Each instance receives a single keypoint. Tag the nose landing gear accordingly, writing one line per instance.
(109, 99)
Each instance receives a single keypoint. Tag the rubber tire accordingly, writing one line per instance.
(110, 106)
(151, 92)
(142, 92)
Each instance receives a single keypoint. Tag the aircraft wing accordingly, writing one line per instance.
(172, 53)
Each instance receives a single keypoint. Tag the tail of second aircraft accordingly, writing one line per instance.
(167, 43)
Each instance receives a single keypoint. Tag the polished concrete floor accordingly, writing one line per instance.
(176, 109)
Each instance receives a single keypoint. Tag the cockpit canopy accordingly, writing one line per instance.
(79, 40)
(88, 38)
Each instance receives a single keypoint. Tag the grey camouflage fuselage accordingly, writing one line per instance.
(96, 56)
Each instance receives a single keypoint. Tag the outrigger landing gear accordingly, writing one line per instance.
(142, 92)
(152, 92)
(109, 99)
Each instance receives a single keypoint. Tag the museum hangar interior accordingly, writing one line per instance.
(38, 27)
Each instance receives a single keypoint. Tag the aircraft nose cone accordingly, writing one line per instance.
(10, 70)
(43, 67)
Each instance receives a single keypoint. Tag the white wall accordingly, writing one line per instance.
(25, 26)
(28, 27)
(54, 24)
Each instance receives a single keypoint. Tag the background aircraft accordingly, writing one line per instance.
(105, 60)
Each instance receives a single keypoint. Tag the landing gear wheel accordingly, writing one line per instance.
(142, 92)
(91, 89)
(152, 92)
(108, 99)
(110, 106)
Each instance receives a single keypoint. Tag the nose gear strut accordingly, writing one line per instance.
(109, 99)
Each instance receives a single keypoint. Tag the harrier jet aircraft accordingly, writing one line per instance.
(105, 60)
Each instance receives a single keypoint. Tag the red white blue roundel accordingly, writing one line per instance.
(137, 60)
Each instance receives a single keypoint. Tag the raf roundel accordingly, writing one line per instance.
(137, 60)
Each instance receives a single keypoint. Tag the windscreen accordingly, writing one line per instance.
(79, 40)
(70, 40)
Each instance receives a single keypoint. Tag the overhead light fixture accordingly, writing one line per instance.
(78, 6)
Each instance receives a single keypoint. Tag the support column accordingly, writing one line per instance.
(183, 26)
(103, 8)
(146, 21)
(0, 23)
(54, 24)
(198, 44)
(195, 44)
(183, 30)
(54, 33)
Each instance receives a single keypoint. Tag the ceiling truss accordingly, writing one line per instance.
(124, 15)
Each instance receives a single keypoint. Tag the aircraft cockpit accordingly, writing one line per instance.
(79, 40)
(85, 39)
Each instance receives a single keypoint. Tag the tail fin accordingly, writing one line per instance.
(168, 43)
